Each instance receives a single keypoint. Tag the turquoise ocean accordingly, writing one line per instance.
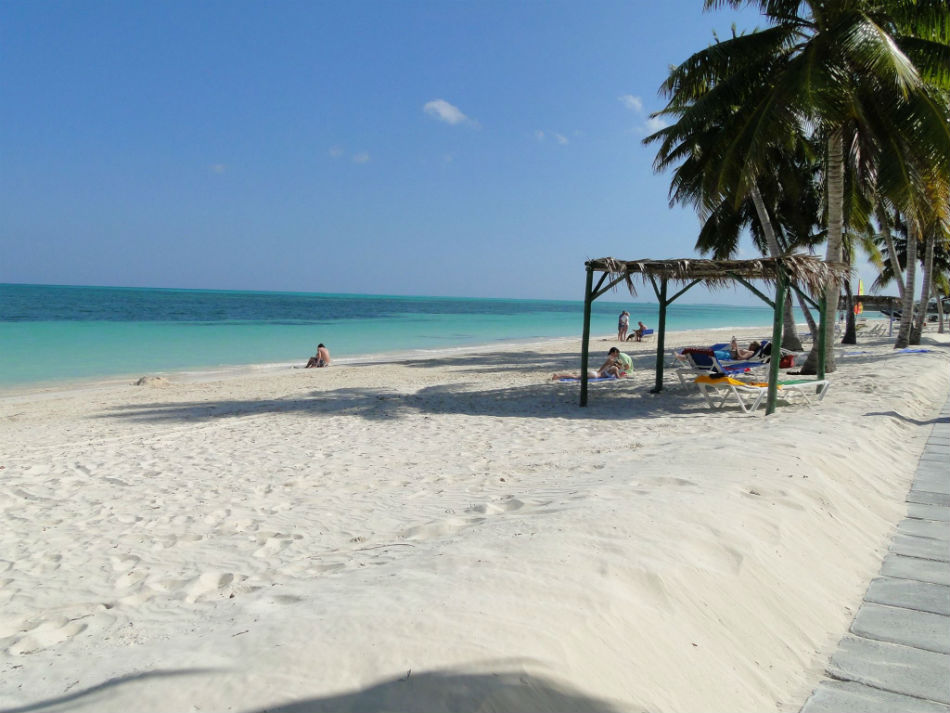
(51, 334)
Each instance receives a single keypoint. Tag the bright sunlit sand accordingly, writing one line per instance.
(446, 533)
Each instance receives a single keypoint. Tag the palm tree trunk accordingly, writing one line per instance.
(937, 296)
(835, 192)
(851, 329)
(907, 303)
(891, 250)
(790, 338)
(918, 327)
(812, 324)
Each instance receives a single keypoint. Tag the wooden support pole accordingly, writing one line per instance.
(585, 342)
(822, 320)
(777, 322)
(660, 337)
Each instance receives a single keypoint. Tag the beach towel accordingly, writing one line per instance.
(596, 378)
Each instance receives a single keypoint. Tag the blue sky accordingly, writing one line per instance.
(437, 148)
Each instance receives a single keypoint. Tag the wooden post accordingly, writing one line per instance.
(660, 337)
(777, 322)
(585, 351)
(822, 320)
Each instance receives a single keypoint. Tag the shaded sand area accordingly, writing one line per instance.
(451, 533)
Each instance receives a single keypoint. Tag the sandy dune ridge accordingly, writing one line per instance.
(451, 532)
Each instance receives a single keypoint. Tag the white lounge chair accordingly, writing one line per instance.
(757, 391)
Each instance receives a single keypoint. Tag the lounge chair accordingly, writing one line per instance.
(680, 359)
(704, 361)
(756, 391)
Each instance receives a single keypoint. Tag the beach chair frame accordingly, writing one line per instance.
(704, 361)
(735, 388)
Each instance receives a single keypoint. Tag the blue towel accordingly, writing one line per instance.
(599, 378)
(914, 351)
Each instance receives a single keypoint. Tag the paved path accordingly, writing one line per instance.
(897, 655)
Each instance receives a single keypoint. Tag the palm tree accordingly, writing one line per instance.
(853, 73)
(895, 243)
(780, 209)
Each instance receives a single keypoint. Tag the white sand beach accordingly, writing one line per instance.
(451, 533)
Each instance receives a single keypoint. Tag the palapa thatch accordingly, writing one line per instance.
(809, 272)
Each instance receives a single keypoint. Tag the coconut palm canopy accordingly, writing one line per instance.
(809, 272)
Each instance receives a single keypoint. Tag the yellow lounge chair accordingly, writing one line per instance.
(757, 390)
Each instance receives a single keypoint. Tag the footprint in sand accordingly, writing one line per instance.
(47, 634)
(123, 563)
(41, 633)
(274, 543)
(130, 579)
(210, 585)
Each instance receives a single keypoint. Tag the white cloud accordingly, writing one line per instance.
(631, 102)
(654, 124)
(361, 157)
(336, 151)
(539, 135)
(560, 138)
(449, 113)
(218, 168)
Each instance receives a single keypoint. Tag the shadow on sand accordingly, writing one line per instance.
(908, 419)
(456, 692)
(413, 693)
(89, 695)
(613, 400)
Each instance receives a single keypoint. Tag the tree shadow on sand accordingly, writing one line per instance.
(100, 691)
(429, 692)
(608, 401)
(908, 419)
(456, 692)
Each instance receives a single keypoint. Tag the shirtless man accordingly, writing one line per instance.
(321, 359)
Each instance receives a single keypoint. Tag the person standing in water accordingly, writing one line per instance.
(321, 359)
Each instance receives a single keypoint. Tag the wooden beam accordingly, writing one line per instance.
(778, 320)
(598, 292)
(661, 336)
(822, 320)
(683, 291)
(752, 288)
(585, 340)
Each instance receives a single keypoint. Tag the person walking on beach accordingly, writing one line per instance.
(623, 325)
(321, 359)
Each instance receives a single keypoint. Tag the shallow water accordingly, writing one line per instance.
(54, 333)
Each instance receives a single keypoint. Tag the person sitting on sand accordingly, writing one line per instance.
(617, 365)
(738, 352)
(321, 359)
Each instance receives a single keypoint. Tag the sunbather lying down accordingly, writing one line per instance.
(738, 352)
(591, 374)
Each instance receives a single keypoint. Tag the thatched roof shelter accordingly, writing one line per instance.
(874, 302)
(806, 274)
(807, 271)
